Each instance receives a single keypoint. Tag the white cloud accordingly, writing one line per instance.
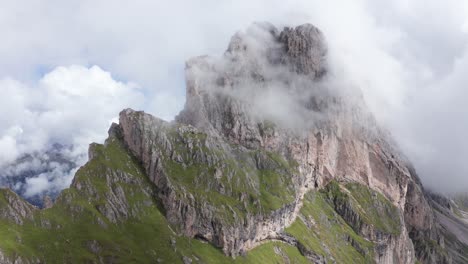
(58, 178)
(37, 185)
(72, 106)
(8, 145)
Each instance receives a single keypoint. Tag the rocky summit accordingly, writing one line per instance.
(270, 161)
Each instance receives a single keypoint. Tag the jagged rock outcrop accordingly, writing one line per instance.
(14, 208)
(305, 50)
(47, 202)
(243, 218)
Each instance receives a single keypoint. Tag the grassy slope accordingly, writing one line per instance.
(375, 209)
(372, 207)
(71, 227)
(268, 189)
(326, 233)
(75, 231)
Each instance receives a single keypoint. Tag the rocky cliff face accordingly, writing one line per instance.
(14, 208)
(338, 140)
(270, 161)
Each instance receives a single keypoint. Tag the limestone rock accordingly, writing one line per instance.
(47, 202)
(14, 208)
(305, 49)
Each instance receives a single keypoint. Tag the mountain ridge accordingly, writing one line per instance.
(241, 176)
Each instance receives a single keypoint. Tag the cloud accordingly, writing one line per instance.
(434, 130)
(56, 179)
(407, 57)
(70, 106)
(8, 145)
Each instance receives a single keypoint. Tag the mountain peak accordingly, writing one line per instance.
(264, 151)
(302, 49)
(272, 76)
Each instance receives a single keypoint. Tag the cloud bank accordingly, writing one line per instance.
(46, 126)
(407, 56)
